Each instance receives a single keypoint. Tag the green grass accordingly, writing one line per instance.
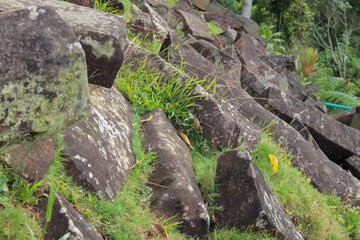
(171, 3)
(143, 41)
(309, 209)
(17, 220)
(214, 28)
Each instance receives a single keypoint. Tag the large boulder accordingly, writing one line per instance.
(223, 125)
(179, 197)
(171, 17)
(66, 219)
(99, 149)
(336, 140)
(141, 23)
(101, 35)
(247, 198)
(42, 76)
(195, 26)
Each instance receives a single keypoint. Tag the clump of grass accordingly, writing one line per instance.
(108, 7)
(204, 161)
(234, 233)
(305, 206)
(17, 221)
(150, 89)
(214, 28)
(144, 41)
(17, 196)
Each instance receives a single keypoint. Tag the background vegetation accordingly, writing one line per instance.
(332, 27)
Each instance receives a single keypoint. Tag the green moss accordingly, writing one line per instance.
(41, 104)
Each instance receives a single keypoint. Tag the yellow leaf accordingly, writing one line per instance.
(186, 139)
(274, 162)
(308, 179)
(148, 119)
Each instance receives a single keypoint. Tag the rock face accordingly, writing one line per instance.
(195, 26)
(352, 164)
(224, 18)
(223, 124)
(336, 140)
(173, 169)
(325, 175)
(99, 149)
(42, 76)
(66, 219)
(101, 35)
(141, 22)
(247, 198)
(31, 161)
(85, 3)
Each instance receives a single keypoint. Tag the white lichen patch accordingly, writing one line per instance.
(99, 49)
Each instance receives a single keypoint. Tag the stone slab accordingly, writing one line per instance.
(180, 196)
(247, 198)
(42, 76)
(101, 35)
(99, 149)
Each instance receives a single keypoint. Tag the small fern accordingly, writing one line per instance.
(339, 98)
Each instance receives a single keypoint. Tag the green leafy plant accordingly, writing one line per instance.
(151, 89)
(49, 208)
(308, 61)
(214, 28)
(274, 41)
(335, 89)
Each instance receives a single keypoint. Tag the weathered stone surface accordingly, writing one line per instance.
(99, 149)
(224, 18)
(250, 50)
(173, 169)
(184, 5)
(160, 25)
(154, 3)
(66, 219)
(141, 22)
(352, 164)
(224, 125)
(195, 26)
(336, 140)
(31, 161)
(42, 76)
(171, 17)
(355, 122)
(176, 51)
(247, 198)
(312, 88)
(101, 35)
(345, 117)
(85, 3)
(325, 175)
(219, 58)
(282, 63)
